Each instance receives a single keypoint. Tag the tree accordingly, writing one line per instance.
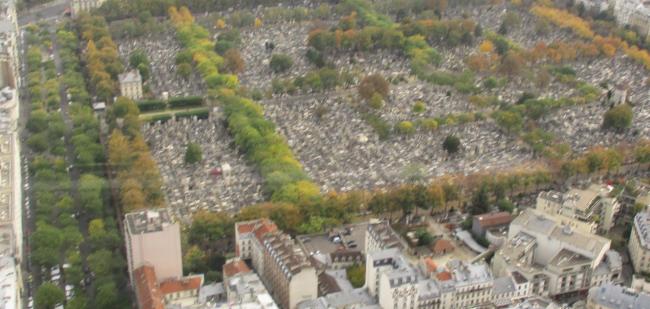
(195, 260)
(233, 61)
(47, 241)
(405, 127)
(280, 63)
(372, 84)
(451, 144)
(184, 70)
(193, 153)
(376, 101)
(618, 117)
(511, 121)
(512, 63)
(48, 296)
(37, 122)
(357, 275)
(424, 237)
(480, 201)
(90, 193)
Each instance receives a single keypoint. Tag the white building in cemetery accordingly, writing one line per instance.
(131, 84)
(79, 6)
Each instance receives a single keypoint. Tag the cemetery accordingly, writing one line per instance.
(346, 142)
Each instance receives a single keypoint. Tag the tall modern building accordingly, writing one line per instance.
(153, 239)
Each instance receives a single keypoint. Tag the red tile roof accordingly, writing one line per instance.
(443, 276)
(442, 246)
(148, 293)
(235, 267)
(494, 219)
(184, 284)
(431, 265)
(266, 226)
(245, 227)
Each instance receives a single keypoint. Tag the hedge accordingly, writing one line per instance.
(200, 114)
(185, 102)
(162, 118)
(151, 105)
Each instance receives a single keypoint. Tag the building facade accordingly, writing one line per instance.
(554, 258)
(639, 243)
(591, 209)
(79, 6)
(281, 264)
(609, 296)
(131, 84)
(152, 238)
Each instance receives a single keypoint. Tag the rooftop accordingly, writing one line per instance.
(503, 285)
(614, 296)
(147, 221)
(384, 234)
(148, 294)
(287, 254)
(537, 224)
(247, 289)
(132, 76)
(182, 284)
(493, 219)
(232, 268)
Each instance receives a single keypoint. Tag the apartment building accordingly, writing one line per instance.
(396, 284)
(151, 293)
(281, 264)
(610, 296)
(379, 236)
(153, 239)
(554, 258)
(639, 243)
(131, 84)
(588, 210)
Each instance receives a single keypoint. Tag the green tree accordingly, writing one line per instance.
(193, 153)
(195, 261)
(357, 275)
(373, 84)
(280, 63)
(46, 242)
(481, 201)
(405, 127)
(424, 237)
(184, 70)
(451, 144)
(376, 101)
(37, 122)
(48, 296)
(618, 118)
(511, 121)
(90, 193)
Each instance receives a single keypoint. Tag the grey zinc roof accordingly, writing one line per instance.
(503, 285)
(615, 296)
(130, 77)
